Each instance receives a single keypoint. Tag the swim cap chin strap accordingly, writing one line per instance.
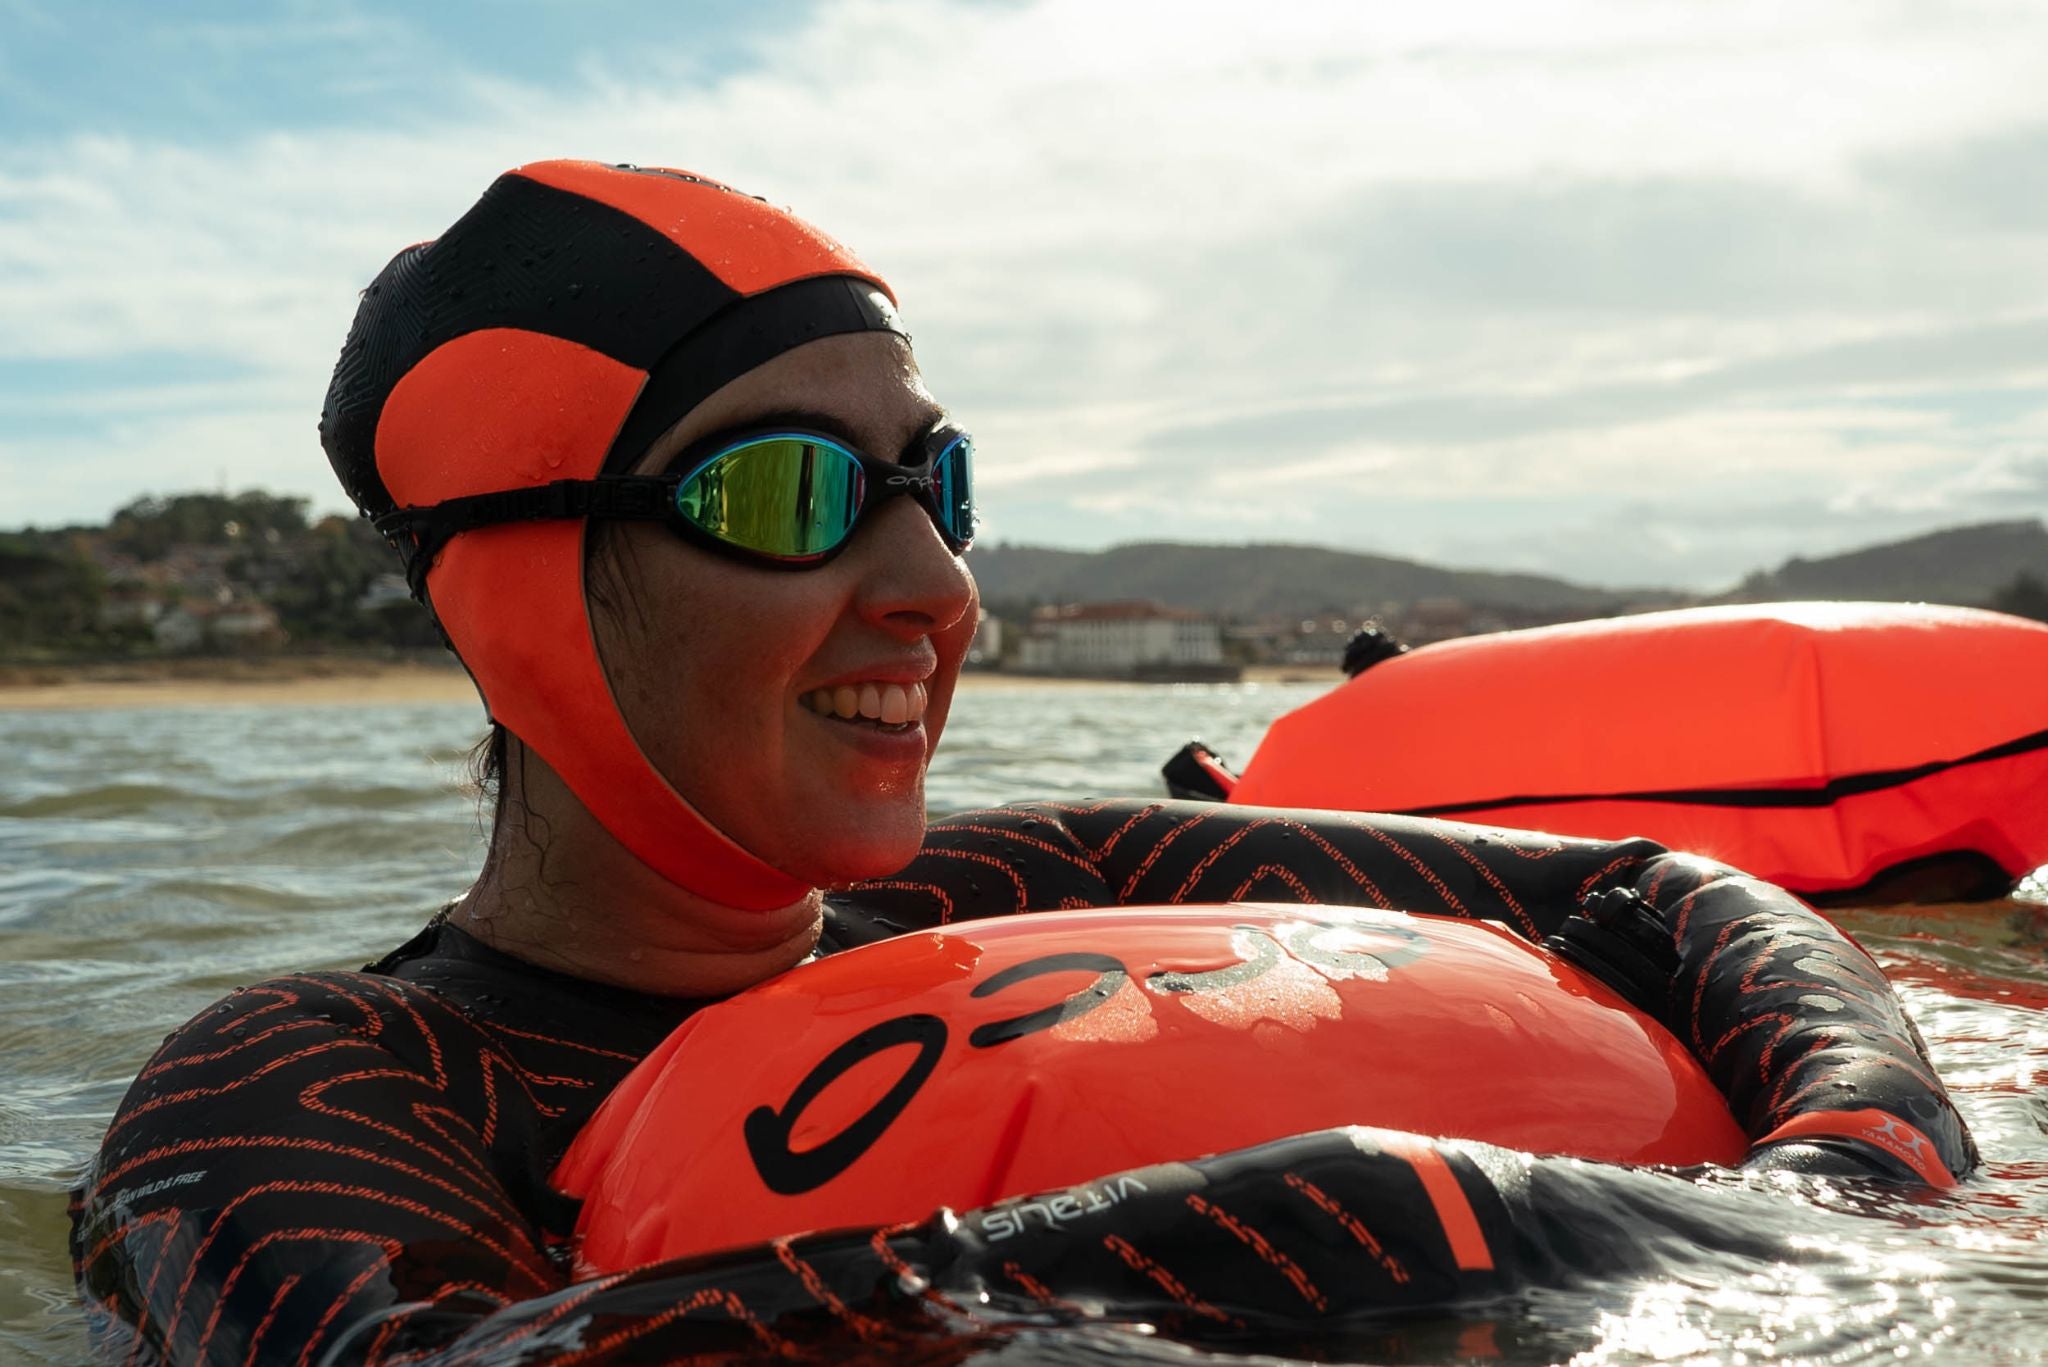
(498, 408)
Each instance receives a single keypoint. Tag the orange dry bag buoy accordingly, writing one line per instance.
(997, 1058)
(1815, 745)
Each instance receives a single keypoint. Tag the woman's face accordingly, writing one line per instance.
(725, 671)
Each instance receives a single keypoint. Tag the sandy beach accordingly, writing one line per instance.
(321, 681)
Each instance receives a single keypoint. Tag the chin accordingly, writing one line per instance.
(871, 845)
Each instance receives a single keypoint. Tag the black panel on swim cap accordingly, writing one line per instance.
(758, 328)
(525, 256)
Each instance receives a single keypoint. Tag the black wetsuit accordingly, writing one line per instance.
(341, 1167)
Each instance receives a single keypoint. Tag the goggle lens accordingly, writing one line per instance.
(798, 497)
(953, 490)
(781, 496)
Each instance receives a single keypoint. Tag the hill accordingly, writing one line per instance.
(1965, 565)
(1269, 580)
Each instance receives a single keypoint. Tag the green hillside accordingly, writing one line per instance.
(1965, 565)
(1265, 580)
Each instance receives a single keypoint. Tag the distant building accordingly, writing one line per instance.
(238, 624)
(986, 650)
(1123, 640)
(382, 592)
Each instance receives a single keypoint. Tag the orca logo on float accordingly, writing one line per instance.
(790, 1172)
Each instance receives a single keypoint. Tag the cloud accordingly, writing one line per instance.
(1467, 279)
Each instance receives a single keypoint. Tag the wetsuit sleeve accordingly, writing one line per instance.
(1793, 1021)
(1050, 856)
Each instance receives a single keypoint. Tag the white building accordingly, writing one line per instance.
(1121, 639)
(986, 650)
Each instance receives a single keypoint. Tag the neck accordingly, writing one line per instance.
(558, 891)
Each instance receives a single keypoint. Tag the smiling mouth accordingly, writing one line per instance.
(883, 706)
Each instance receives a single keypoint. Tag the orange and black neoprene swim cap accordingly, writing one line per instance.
(560, 327)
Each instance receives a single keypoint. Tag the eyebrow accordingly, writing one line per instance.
(804, 419)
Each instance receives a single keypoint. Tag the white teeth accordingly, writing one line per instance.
(891, 704)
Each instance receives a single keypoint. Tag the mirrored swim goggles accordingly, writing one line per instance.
(781, 497)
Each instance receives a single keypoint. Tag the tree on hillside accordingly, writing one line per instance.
(150, 526)
(47, 597)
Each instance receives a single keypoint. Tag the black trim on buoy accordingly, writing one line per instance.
(1198, 773)
(1818, 795)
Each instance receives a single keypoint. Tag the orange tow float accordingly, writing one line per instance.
(1815, 745)
(984, 1060)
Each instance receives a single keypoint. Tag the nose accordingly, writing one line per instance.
(911, 584)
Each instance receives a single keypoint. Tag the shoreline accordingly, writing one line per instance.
(325, 680)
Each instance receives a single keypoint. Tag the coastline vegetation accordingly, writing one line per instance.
(204, 575)
(201, 581)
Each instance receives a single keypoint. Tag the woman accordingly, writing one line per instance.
(660, 463)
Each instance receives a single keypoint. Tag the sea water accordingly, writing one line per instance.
(152, 859)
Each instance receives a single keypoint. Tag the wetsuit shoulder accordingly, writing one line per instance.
(326, 1150)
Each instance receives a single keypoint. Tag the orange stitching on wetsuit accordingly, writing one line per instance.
(814, 1286)
(1259, 1244)
(537, 1271)
(725, 1300)
(1208, 861)
(1159, 847)
(403, 1001)
(239, 1046)
(171, 1218)
(937, 893)
(192, 1093)
(1523, 844)
(1351, 1224)
(1614, 866)
(1165, 1280)
(572, 1300)
(1302, 891)
(312, 1098)
(977, 857)
(1429, 875)
(284, 1288)
(878, 1243)
(1095, 852)
(372, 1023)
(348, 1293)
(1524, 922)
(390, 1246)
(499, 1028)
(1037, 1289)
(1029, 841)
(1103, 851)
(1344, 861)
(191, 1146)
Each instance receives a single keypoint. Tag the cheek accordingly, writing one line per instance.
(703, 664)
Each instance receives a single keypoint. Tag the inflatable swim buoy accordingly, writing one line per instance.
(1815, 745)
(990, 1059)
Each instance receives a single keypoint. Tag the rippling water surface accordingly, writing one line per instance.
(152, 859)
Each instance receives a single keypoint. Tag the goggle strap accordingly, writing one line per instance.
(420, 533)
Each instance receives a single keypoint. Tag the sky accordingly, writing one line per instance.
(1635, 292)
